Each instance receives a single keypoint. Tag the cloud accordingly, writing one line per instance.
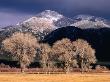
(69, 5)
(30, 5)
(91, 4)
(16, 10)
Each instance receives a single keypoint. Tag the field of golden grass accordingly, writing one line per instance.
(55, 77)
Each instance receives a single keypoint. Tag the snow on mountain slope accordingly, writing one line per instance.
(42, 21)
(38, 24)
(51, 15)
(88, 21)
(47, 21)
(51, 20)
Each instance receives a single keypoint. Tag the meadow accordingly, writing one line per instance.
(77, 77)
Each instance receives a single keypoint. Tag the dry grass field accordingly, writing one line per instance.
(55, 77)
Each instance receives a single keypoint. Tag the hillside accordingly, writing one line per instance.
(98, 38)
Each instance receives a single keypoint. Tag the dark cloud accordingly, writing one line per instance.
(30, 6)
(33, 6)
(69, 8)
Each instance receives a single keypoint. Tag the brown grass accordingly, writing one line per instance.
(55, 77)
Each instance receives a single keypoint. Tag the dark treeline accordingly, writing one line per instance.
(98, 38)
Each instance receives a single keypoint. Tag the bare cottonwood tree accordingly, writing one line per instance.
(85, 54)
(45, 53)
(22, 47)
(64, 49)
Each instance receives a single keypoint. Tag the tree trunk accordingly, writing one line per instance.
(82, 67)
(44, 65)
(67, 68)
(22, 68)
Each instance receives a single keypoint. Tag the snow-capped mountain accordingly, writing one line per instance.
(88, 21)
(58, 19)
(47, 21)
(42, 21)
(51, 20)
(41, 24)
(51, 15)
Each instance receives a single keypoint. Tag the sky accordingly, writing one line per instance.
(14, 11)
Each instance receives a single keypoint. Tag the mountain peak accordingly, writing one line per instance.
(89, 21)
(83, 17)
(53, 15)
(89, 18)
(49, 12)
